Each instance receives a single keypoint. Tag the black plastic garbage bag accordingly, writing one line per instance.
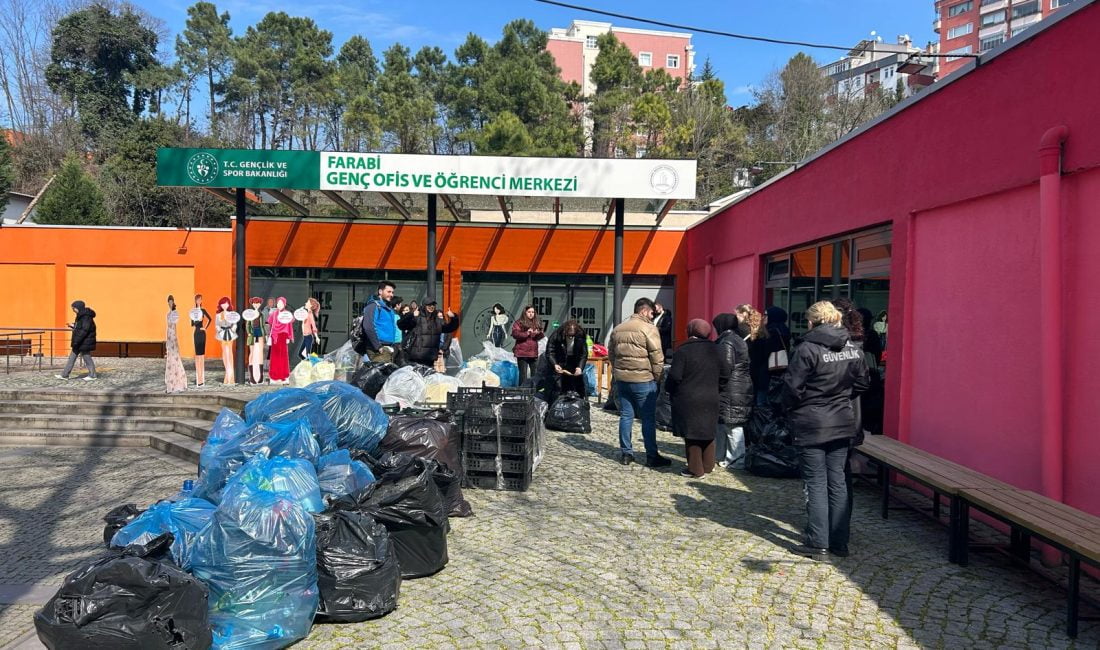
(357, 569)
(130, 598)
(407, 501)
(422, 370)
(570, 412)
(664, 404)
(612, 403)
(425, 437)
(772, 462)
(370, 377)
(117, 519)
(546, 383)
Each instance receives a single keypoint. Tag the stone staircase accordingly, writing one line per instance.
(173, 424)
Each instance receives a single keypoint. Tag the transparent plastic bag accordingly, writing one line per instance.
(258, 557)
(302, 375)
(323, 371)
(221, 455)
(344, 360)
(184, 519)
(453, 359)
(494, 354)
(293, 404)
(339, 475)
(405, 386)
(359, 420)
(437, 386)
(476, 377)
(294, 476)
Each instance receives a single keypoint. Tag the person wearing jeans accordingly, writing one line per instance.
(637, 361)
(824, 374)
(82, 342)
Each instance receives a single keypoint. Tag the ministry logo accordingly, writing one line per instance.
(202, 168)
(663, 179)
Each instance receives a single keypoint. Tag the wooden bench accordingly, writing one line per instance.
(1028, 514)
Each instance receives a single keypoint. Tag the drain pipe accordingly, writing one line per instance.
(1052, 374)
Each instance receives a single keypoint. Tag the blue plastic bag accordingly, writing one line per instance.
(258, 557)
(590, 379)
(184, 519)
(294, 476)
(508, 373)
(339, 475)
(359, 420)
(286, 438)
(294, 404)
(220, 455)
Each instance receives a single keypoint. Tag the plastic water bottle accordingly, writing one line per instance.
(185, 493)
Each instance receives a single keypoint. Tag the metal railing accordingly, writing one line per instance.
(32, 347)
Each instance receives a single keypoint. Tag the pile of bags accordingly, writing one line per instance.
(494, 367)
(311, 370)
(313, 506)
(770, 448)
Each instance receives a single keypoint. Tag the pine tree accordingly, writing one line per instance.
(72, 199)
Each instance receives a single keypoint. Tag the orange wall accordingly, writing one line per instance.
(124, 274)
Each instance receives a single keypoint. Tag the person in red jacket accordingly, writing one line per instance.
(527, 331)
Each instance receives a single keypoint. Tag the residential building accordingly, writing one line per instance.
(874, 64)
(976, 26)
(575, 49)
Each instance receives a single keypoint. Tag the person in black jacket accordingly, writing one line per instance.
(422, 329)
(83, 341)
(662, 320)
(735, 393)
(692, 383)
(824, 374)
(567, 353)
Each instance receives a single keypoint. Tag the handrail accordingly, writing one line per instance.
(35, 351)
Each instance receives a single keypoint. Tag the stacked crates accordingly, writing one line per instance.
(500, 436)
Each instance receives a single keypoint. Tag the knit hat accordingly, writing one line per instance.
(699, 328)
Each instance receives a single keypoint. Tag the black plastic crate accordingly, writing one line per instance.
(488, 463)
(491, 445)
(508, 426)
(516, 482)
(510, 409)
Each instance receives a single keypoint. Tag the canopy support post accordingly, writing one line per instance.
(242, 279)
(617, 296)
(432, 214)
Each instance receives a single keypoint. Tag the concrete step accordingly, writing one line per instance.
(210, 400)
(107, 423)
(148, 410)
(175, 444)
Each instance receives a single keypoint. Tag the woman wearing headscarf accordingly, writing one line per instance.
(692, 383)
(735, 393)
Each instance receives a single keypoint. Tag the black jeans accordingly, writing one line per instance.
(827, 483)
(526, 369)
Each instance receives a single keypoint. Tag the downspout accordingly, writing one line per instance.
(1052, 353)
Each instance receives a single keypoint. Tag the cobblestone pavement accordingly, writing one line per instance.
(122, 375)
(600, 555)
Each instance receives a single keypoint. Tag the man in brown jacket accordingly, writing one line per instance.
(636, 363)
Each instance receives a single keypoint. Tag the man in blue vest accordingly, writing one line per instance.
(380, 325)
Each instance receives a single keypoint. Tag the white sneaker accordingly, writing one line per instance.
(62, 377)
(723, 464)
(90, 378)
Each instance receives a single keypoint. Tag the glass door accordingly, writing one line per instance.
(336, 313)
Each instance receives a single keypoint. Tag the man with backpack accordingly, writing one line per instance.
(379, 326)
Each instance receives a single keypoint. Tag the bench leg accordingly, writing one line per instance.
(962, 530)
(936, 505)
(884, 483)
(1074, 596)
(953, 529)
(1021, 545)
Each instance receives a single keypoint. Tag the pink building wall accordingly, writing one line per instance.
(569, 55)
(660, 47)
(956, 175)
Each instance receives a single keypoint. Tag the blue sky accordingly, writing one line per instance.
(740, 64)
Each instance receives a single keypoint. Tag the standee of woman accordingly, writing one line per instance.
(200, 324)
(175, 378)
(309, 327)
(226, 335)
(498, 326)
(527, 331)
(257, 336)
(280, 327)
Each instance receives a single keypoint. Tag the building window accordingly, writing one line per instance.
(645, 59)
(991, 42)
(961, 30)
(1019, 29)
(961, 8)
(590, 42)
(1054, 4)
(1025, 9)
(995, 18)
(953, 55)
(989, 2)
(672, 61)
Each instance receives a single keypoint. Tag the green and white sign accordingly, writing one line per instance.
(382, 172)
